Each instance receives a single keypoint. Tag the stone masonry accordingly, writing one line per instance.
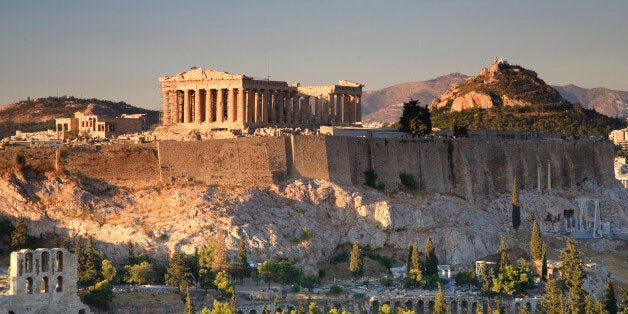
(213, 99)
(42, 281)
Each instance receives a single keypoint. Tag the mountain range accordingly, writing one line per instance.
(385, 105)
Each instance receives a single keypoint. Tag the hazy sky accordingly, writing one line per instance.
(116, 50)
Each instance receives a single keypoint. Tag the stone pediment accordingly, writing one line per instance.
(349, 83)
(200, 74)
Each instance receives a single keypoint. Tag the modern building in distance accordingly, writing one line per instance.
(219, 100)
(100, 127)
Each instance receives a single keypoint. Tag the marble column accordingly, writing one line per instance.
(257, 117)
(241, 108)
(317, 107)
(272, 106)
(288, 107)
(358, 108)
(265, 106)
(197, 106)
(250, 107)
(166, 116)
(281, 107)
(307, 111)
(175, 109)
(208, 106)
(186, 106)
(339, 99)
(230, 105)
(331, 114)
(220, 105)
(296, 105)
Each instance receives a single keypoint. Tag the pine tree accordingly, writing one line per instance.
(487, 281)
(516, 213)
(610, 301)
(243, 264)
(189, 306)
(91, 262)
(108, 271)
(503, 255)
(536, 243)
(544, 264)
(498, 307)
(431, 262)
(572, 273)
(478, 308)
(440, 306)
(355, 261)
(86, 271)
(300, 307)
(178, 274)
(19, 236)
(414, 259)
(409, 259)
(552, 301)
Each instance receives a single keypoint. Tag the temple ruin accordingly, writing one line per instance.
(218, 100)
(42, 281)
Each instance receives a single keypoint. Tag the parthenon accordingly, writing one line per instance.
(214, 99)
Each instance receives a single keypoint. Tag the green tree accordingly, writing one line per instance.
(223, 284)
(206, 278)
(86, 270)
(19, 236)
(189, 306)
(573, 274)
(512, 280)
(516, 212)
(313, 309)
(610, 301)
(178, 273)
(242, 269)
(553, 300)
(487, 281)
(386, 309)
(498, 307)
(108, 271)
(415, 119)
(467, 278)
(140, 274)
(440, 306)
(504, 259)
(536, 243)
(99, 295)
(544, 265)
(221, 308)
(431, 262)
(213, 255)
(355, 260)
(91, 260)
(414, 257)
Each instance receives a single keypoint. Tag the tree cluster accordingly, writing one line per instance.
(415, 119)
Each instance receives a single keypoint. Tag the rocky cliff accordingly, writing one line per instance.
(139, 202)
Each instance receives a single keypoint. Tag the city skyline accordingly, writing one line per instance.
(117, 50)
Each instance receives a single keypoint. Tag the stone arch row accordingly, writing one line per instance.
(39, 261)
(423, 305)
(44, 285)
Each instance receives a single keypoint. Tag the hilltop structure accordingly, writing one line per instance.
(214, 99)
(42, 281)
(99, 127)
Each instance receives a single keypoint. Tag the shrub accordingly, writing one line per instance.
(340, 258)
(335, 289)
(100, 295)
(370, 178)
(408, 181)
(383, 260)
(385, 281)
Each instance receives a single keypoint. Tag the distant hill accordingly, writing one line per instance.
(39, 114)
(606, 101)
(510, 97)
(385, 105)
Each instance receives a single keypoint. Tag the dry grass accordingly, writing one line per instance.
(131, 298)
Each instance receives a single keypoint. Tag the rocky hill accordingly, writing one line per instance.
(510, 97)
(606, 101)
(39, 114)
(385, 105)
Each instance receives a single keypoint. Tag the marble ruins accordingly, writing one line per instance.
(219, 100)
(42, 281)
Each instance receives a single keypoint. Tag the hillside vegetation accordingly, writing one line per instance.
(510, 97)
(39, 114)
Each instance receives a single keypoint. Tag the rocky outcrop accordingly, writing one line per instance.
(273, 218)
(500, 85)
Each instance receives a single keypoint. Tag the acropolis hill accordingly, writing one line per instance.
(270, 188)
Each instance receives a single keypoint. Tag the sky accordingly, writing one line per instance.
(117, 49)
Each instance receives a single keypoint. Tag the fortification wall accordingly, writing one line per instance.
(244, 161)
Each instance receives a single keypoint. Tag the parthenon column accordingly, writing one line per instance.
(281, 107)
(358, 108)
(257, 117)
(317, 107)
(208, 106)
(272, 106)
(175, 109)
(330, 111)
(241, 108)
(250, 111)
(186, 106)
(220, 105)
(339, 100)
(230, 105)
(265, 105)
(306, 113)
(197, 106)
(166, 115)
(296, 105)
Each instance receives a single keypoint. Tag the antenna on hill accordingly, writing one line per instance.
(268, 70)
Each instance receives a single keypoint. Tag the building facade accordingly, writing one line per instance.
(42, 281)
(213, 99)
(99, 127)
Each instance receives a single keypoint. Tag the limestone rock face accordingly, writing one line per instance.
(500, 85)
(158, 218)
